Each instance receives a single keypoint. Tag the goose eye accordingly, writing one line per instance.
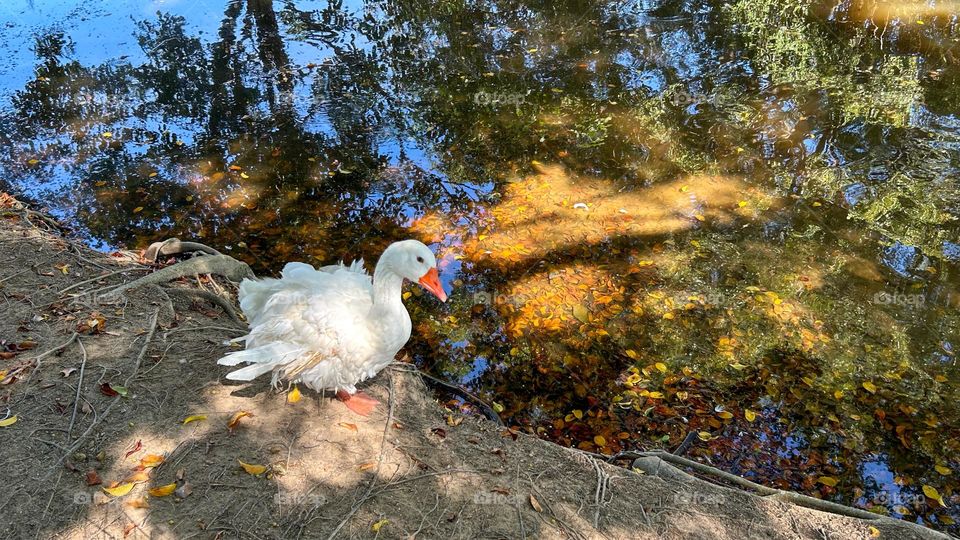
(419, 259)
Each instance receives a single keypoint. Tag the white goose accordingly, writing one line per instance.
(333, 327)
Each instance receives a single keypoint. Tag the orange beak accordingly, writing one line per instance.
(431, 282)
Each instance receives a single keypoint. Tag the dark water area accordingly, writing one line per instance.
(656, 218)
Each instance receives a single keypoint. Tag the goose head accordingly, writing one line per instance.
(414, 261)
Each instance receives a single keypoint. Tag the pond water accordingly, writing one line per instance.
(735, 219)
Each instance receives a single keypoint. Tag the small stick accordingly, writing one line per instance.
(76, 401)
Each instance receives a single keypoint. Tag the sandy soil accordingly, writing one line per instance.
(412, 469)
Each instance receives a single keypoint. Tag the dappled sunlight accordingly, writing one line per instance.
(554, 212)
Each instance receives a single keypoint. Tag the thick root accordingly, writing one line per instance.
(223, 265)
(173, 246)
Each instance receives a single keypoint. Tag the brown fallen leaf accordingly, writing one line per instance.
(366, 466)
(235, 419)
(352, 427)
(535, 504)
(184, 491)
(93, 479)
(439, 432)
(138, 503)
(137, 477)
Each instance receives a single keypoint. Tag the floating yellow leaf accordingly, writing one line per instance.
(121, 490)
(138, 209)
(151, 460)
(379, 525)
(106, 134)
(9, 421)
(870, 387)
(599, 440)
(749, 415)
(252, 469)
(235, 419)
(827, 481)
(163, 491)
(932, 492)
(294, 395)
(194, 418)
(581, 313)
(943, 470)
(33, 161)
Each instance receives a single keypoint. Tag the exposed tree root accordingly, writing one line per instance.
(173, 246)
(210, 297)
(223, 265)
(662, 464)
(487, 410)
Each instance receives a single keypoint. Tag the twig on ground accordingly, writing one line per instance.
(76, 401)
(143, 350)
(373, 481)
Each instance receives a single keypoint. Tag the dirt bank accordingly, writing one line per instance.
(101, 386)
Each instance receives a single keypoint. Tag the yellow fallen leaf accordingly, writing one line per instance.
(252, 468)
(704, 435)
(599, 440)
(9, 421)
(151, 460)
(379, 525)
(138, 209)
(119, 491)
(943, 470)
(294, 395)
(874, 532)
(741, 204)
(581, 313)
(366, 466)
(351, 427)
(749, 415)
(655, 395)
(194, 418)
(932, 492)
(106, 134)
(235, 419)
(578, 414)
(163, 491)
(631, 353)
(726, 415)
(661, 367)
(33, 161)
(827, 481)
(838, 394)
(870, 387)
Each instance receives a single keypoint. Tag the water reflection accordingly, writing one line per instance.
(734, 220)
